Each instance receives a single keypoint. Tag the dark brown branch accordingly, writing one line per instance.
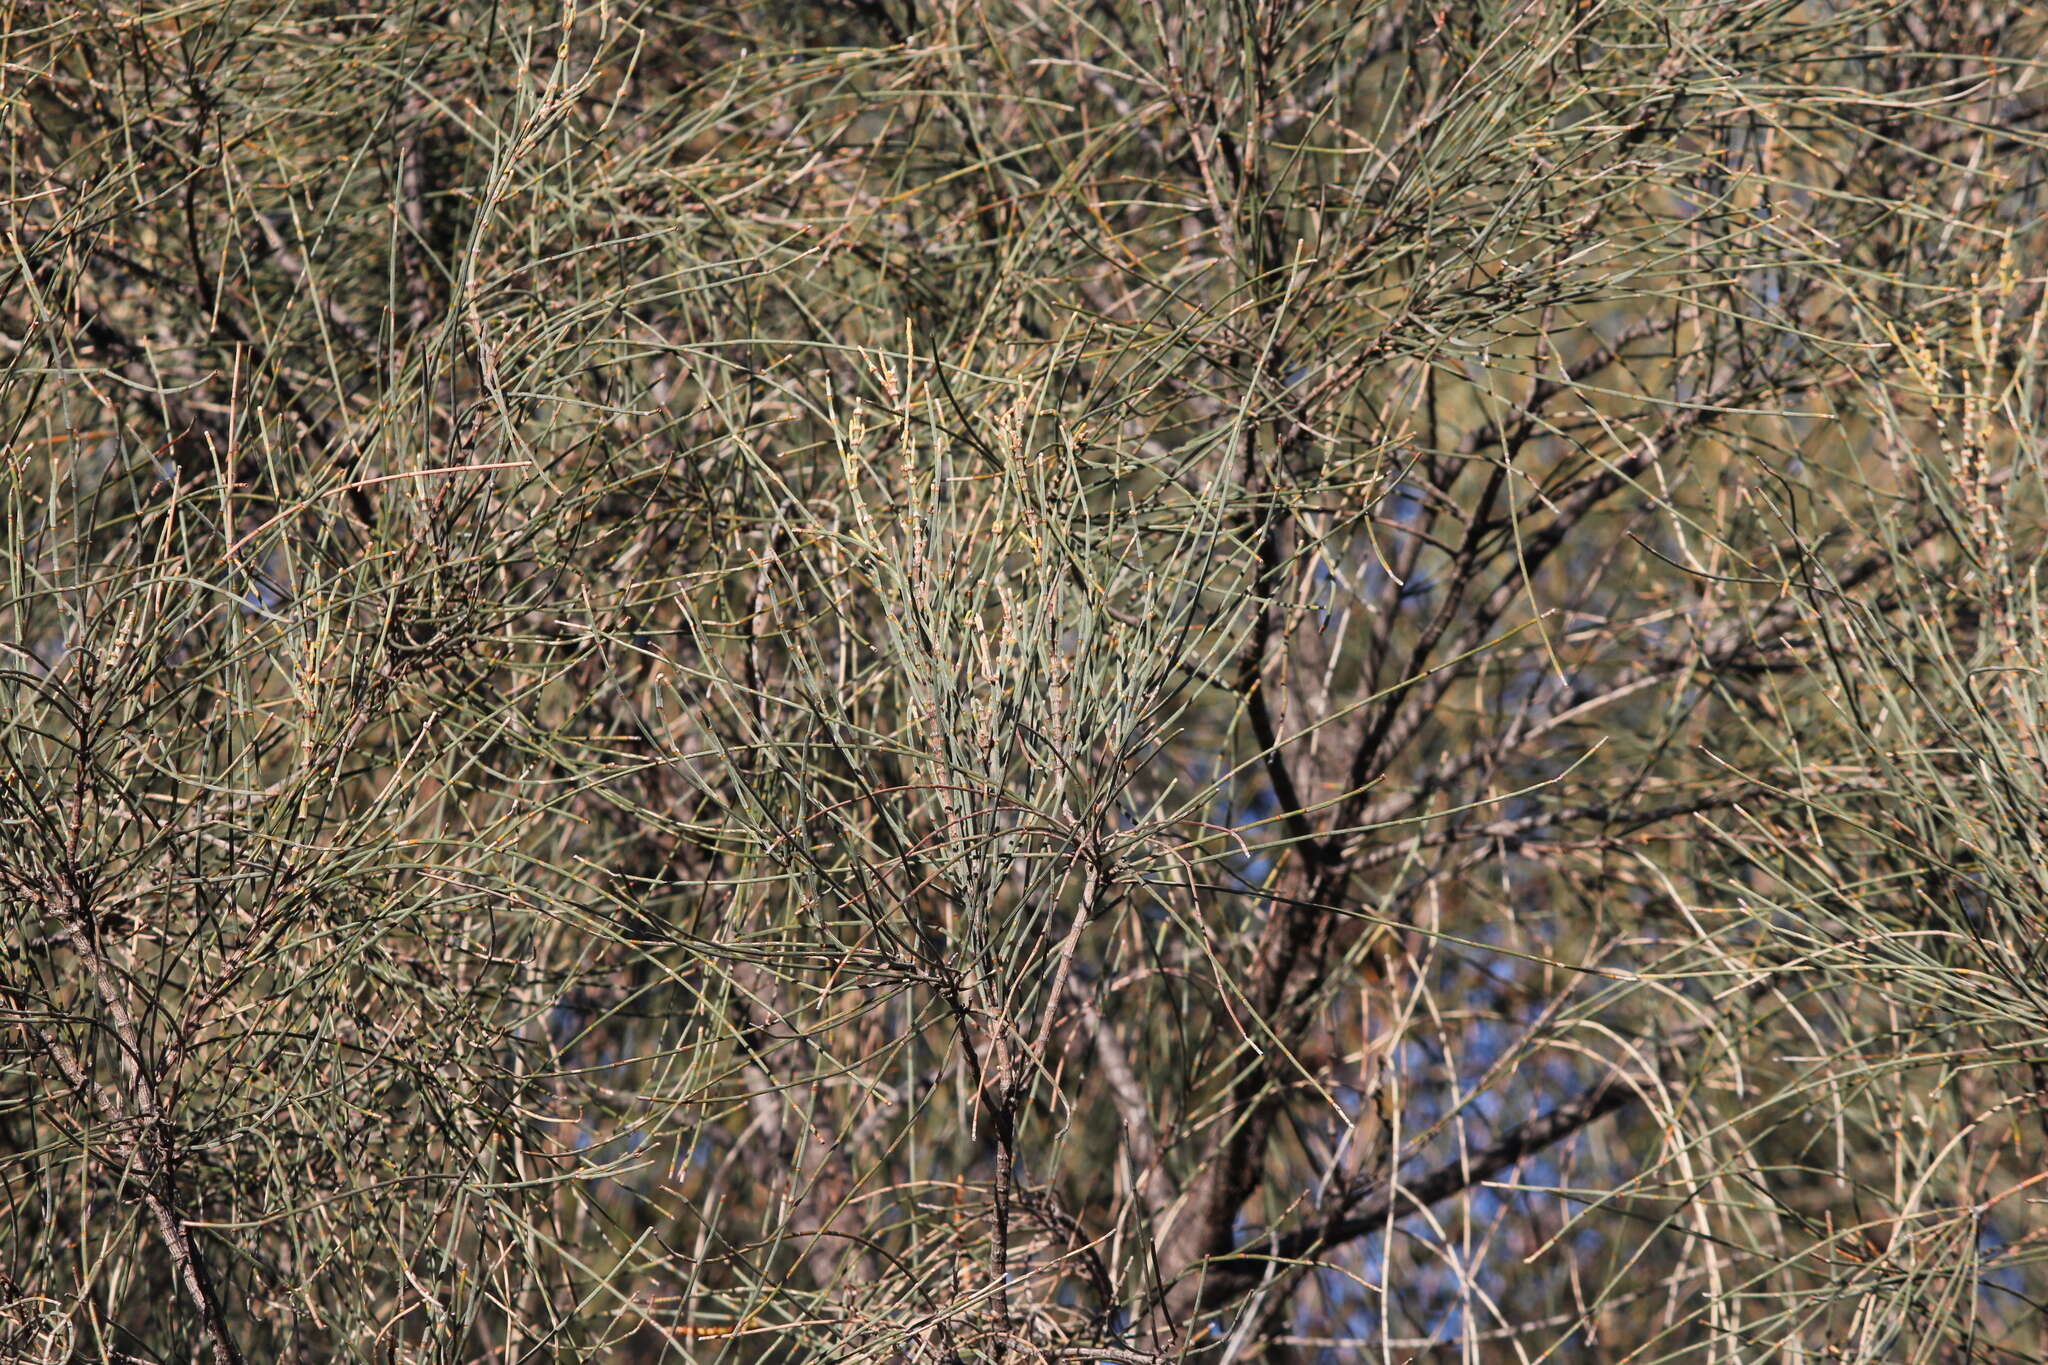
(1231, 1276)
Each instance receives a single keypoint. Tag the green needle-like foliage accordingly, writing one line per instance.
(924, 682)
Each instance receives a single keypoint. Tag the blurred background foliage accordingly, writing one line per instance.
(1022, 680)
